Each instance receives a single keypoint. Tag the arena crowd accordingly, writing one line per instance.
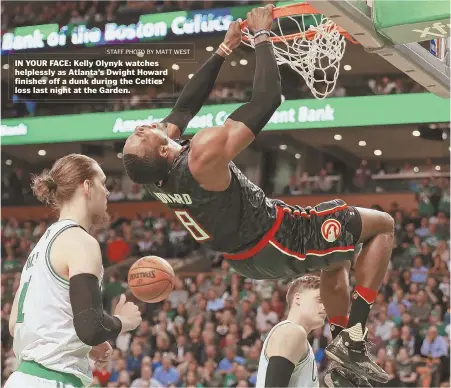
(210, 330)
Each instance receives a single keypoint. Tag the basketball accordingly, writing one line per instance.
(151, 279)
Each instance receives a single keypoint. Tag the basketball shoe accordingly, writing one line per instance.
(338, 376)
(350, 349)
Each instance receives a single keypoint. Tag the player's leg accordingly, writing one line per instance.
(349, 347)
(370, 268)
(334, 290)
(336, 300)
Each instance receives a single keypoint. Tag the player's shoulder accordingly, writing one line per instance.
(77, 238)
(288, 340)
(290, 330)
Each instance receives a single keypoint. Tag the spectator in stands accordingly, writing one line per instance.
(265, 317)
(226, 365)
(362, 176)
(117, 248)
(135, 193)
(146, 379)
(179, 296)
(166, 374)
(116, 194)
(419, 271)
(434, 346)
(214, 303)
(384, 327)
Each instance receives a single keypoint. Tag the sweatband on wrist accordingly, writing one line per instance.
(262, 32)
(195, 93)
(278, 372)
(267, 91)
(227, 50)
(92, 325)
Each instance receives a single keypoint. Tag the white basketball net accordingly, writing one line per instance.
(316, 59)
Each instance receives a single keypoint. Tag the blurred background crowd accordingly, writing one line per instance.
(325, 179)
(210, 331)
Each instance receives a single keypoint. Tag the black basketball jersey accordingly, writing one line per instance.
(228, 221)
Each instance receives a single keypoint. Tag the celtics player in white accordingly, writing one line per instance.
(287, 359)
(57, 319)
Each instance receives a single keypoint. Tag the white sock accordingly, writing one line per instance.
(355, 332)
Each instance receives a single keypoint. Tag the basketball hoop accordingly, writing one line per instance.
(314, 52)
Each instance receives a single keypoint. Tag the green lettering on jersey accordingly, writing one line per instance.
(23, 293)
(31, 260)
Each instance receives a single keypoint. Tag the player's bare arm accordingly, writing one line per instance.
(286, 347)
(213, 148)
(197, 90)
(82, 264)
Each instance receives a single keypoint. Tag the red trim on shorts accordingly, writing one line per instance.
(329, 211)
(269, 238)
(301, 256)
(262, 243)
(330, 250)
(341, 321)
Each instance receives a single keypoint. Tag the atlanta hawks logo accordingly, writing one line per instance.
(330, 230)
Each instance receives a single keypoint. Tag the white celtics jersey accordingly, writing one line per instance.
(305, 373)
(44, 330)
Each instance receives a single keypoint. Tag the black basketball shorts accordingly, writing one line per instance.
(302, 241)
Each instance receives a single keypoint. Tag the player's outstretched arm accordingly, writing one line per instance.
(286, 347)
(84, 261)
(199, 87)
(213, 148)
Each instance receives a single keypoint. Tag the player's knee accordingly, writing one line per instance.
(388, 224)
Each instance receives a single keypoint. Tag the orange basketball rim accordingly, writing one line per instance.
(296, 10)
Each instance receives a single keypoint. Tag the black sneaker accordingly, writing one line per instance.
(333, 379)
(353, 379)
(353, 353)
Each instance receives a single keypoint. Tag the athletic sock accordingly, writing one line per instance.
(363, 299)
(337, 324)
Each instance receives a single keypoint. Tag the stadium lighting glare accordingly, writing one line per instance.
(209, 48)
(283, 147)
(362, 143)
(8, 162)
(243, 62)
(416, 169)
(190, 76)
(119, 155)
(416, 133)
(233, 63)
(175, 66)
(347, 67)
(377, 152)
(297, 156)
(338, 137)
(6, 67)
(42, 152)
(437, 168)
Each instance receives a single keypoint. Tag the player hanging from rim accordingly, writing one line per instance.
(57, 317)
(262, 238)
(287, 359)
